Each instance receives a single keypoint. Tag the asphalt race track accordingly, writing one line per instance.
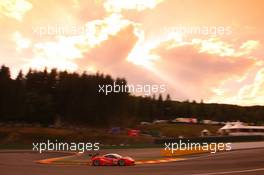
(245, 162)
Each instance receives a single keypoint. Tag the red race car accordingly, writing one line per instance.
(111, 160)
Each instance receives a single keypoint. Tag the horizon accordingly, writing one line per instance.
(153, 95)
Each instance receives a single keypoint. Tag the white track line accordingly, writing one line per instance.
(231, 172)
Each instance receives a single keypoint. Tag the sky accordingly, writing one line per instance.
(201, 50)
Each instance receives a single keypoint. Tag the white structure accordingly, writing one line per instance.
(240, 129)
(160, 121)
(185, 120)
(145, 123)
(211, 122)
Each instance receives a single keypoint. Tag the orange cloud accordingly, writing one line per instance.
(251, 93)
(118, 6)
(197, 73)
(14, 8)
(110, 55)
(128, 38)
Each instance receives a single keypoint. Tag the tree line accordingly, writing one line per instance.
(45, 96)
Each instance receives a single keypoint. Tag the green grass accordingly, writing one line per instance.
(13, 136)
(23, 137)
(175, 130)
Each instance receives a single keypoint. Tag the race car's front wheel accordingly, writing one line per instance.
(96, 163)
(121, 163)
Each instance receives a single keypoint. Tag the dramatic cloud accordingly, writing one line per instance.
(63, 52)
(137, 40)
(118, 6)
(253, 92)
(110, 56)
(197, 72)
(14, 8)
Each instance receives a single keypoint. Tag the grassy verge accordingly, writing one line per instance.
(175, 130)
(23, 137)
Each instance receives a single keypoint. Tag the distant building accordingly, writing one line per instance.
(145, 123)
(185, 120)
(160, 121)
(211, 122)
(240, 129)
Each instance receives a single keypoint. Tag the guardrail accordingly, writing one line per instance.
(212, 139)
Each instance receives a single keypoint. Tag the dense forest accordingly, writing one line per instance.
(44, 96)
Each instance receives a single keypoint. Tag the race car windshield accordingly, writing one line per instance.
(113, 156)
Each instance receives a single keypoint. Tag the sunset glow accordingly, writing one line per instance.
(138, 38)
